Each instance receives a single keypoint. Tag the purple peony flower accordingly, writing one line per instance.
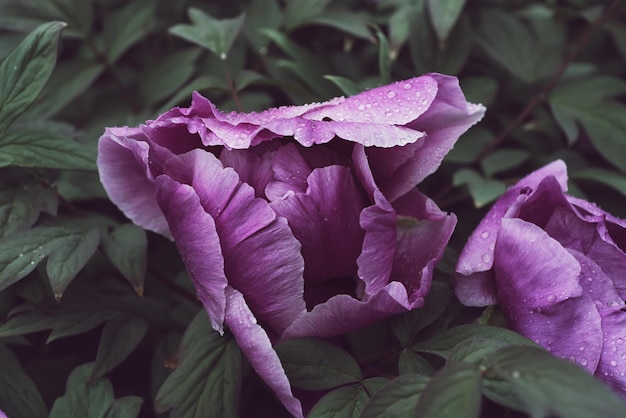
(296, 221)
(556, 265)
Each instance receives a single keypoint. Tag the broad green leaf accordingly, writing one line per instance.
(454, 392)
(207, 381)
(407, 326)
(120, 336)
(410, 362)
(126, 246)
(348, 87)
(40, 149)
(313, 364)
(124, 27)
(606, 127)
(346, 401)
(470, 145)
(384, 58)
(480, 90)
(552, 387)
(401, 23)
(68, 81)
(86, 398)
(80, 185)
(503, 159)
(200, 83)
(168, 75)
(618, 33)
(429, 55)
(216, 35)
(21, 204)
(78, 14)
(347, 21)
(444, 344)
(261, 14)
(616, 181)
(443, 15)
(25, 319)
(246, 78)
(25, 71)
(19, 396)
(397, 399)
(587, 91)
(475, 351)
(299, 12)
(68, 250)
(483, 190)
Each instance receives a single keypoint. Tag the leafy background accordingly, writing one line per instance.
(98, 318)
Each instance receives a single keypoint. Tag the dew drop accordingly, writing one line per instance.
(20, 255)
(484, 235)
(583, 361)
(361, 107)
(613, 304)
(619, 341)
(391, 94)
(407, 86)
(223, 56)
(613, 363)
(589, 279)
(551, 298)
(486, 257)
(515, 374)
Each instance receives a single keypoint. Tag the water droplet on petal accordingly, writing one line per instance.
(486, 257)
(551, 298)
(484, 235)
(583, 361)
(613, 363)
(391, 94)
(361, 107)
(407, 86)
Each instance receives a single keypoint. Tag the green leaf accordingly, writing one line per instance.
(41, 149)
(503, 159)
(384, 58)
(25, 319)
(346, 401)
(444, 344)
(299, 12)
(168, 75)
(126, 246)
(443, 15)
(68, 250)
(246, 78)
(550, 386)
(397, 399)
(77, 13)
(216, 35)
(347, 86)
(475, 351)
(470, 146)
(86, 398)
(406, 326)
(126, 26)
(262, 14)
(25, 71)
(21, 204)
(347, 21)
(207, 381)
(19, 396)
(313, 364)
(410, 362)
(616, 181)
(120, 337)
(483, 190)
(454, 392)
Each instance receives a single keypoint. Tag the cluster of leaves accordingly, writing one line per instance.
(98, 317)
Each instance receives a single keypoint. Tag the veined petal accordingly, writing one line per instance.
(198, 243)
(125, 174)
(448, 116)
(612, 365)
(261, 256)
(289, 173)
(257, 347)
(343, 313)
(327, 213)
(532, 269)
(598, 286)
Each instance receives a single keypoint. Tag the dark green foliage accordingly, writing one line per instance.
(98, 315)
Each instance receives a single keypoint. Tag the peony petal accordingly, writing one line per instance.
(125, 175)
(257, 347)
(198, 243)
(423, 233)
(571, 329)
(448, 116)
(262, 257)
(253, 166)
(612, 365)
(597, 285)
(532, 269)
(343, 313)
(289, 173)
(327, 213)
(474, 284)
